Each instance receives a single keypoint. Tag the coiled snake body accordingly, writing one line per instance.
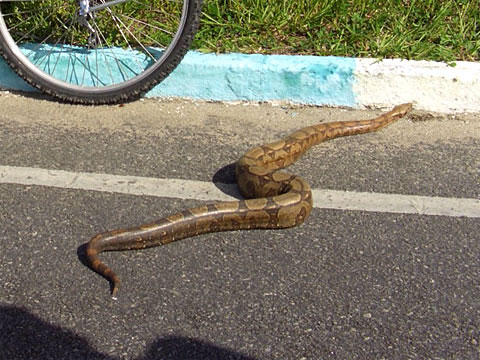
(274, 199)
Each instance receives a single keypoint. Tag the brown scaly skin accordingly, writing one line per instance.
(274, 200)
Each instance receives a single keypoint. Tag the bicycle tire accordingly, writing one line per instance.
(62, 62)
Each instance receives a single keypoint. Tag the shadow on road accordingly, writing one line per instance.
(225, 175)
(24, 336)
(223, 180)
(181, 348)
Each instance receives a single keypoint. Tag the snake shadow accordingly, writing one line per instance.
(24, 336)
(224, 179)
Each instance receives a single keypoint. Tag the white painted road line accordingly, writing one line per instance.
(396, 203)
(207, 191)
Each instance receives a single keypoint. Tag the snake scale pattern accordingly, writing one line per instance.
(273, 200)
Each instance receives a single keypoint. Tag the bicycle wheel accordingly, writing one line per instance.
(96, 51)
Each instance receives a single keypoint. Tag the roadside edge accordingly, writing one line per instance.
(314, 80)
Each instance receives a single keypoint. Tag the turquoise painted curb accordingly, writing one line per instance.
(9, 80)
(304, 79)
(230, 77)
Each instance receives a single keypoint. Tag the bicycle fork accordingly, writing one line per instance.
(87, 12)
(84, 15)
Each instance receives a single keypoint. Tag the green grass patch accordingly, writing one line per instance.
(442, 30)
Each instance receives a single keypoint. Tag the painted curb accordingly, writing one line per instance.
(431, 86)
(331, 81)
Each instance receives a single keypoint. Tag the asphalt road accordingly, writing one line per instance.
(345, 285)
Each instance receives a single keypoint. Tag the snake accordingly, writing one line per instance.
(272, 199)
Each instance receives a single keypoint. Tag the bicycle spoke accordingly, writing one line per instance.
(152, 26)
(50, 51)
(106, 59)
(117, 20)
(138, 42)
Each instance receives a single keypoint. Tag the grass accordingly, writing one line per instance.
(441, 30)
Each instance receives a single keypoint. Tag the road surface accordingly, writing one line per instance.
(386, 266)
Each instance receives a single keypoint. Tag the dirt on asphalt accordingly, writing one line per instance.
(259, 122)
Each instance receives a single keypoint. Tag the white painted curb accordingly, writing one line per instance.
(429, 85)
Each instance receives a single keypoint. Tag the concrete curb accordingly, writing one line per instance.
(332, 81)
